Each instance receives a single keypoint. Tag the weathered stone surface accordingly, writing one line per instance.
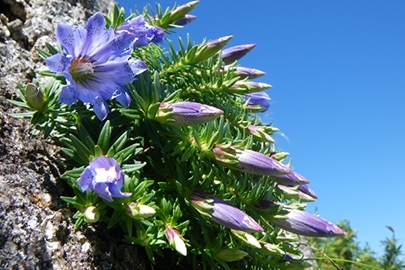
(36, 230)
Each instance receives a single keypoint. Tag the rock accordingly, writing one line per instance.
(36, 229)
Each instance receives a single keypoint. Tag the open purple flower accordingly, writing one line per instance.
(258, 101)
(95, 62)
(144, 32)
(105, 177)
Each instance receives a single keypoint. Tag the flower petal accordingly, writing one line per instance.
(58, 63)
(71, 38)
(122, 96)
(97, 36)
(68, 94)
(117, 49)
(102, 190)
(85, 179)
(100, 108)
(137, 66)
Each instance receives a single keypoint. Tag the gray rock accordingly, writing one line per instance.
(36, 230)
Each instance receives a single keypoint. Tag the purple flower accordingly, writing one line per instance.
(188, 18)
(105, 177)
(306, 224)
(95, 62)
(144, 32)
(185, 113)
(234, 53)
(258, 101)
(223, 213)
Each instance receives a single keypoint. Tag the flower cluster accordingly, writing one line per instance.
(182, 161)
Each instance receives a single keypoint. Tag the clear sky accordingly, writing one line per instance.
(338, 75)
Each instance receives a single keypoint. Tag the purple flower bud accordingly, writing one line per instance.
(105, 177)
(249, 161)
(209, 49)
(291, 179)
(306, 190)
(306, 224)
(262, 133)
(231, 217)
(185, 113)
(181, 11)
(234, 53)
(246, 87)
(258, 101)
(250, 73)
(175, 241)
(294, 193)
(188, 18)
(224, 213)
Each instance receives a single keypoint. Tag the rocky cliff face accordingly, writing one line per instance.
(35, 229)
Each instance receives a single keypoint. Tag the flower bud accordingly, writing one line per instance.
(249, 161)
(91, 214)
(261, 133)
(258, 102)
(181, 11)
(292, 193)
(247, 238)
(139, 211)
(209, 49)
(246, 87)
(270, 249)
(224, 213)
(35, 98)
(230, 255)
(291, 179)
(188, 18)
(306, 224)
(234, 53)
(249, 73)
(175, 241)
(185, 113)
(306, 190)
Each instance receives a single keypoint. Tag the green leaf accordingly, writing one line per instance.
(83, 152)
(118, 144)
(104, 137)
(115, 218)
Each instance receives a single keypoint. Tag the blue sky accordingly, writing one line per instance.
(338, 75)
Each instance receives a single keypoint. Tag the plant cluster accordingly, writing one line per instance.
(167, 145)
